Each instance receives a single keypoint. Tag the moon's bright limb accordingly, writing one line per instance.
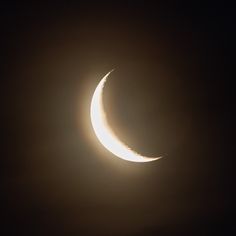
(105, 134)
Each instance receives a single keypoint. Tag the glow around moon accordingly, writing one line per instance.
(105, 134)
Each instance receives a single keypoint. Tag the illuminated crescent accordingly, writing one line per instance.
(105, 134)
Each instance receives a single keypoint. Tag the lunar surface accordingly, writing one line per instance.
(104, 132)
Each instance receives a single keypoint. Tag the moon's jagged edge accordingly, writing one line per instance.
(105, 134)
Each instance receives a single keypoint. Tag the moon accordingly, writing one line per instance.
(105, 134)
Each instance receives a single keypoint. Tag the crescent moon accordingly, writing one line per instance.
(105, 134)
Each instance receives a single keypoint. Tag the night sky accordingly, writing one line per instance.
(171, 94)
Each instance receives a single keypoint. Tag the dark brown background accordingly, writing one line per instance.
(170, 94)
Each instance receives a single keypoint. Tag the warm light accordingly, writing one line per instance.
(105, 134)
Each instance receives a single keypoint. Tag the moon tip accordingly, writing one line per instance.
(111, 71)
(106, 76)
